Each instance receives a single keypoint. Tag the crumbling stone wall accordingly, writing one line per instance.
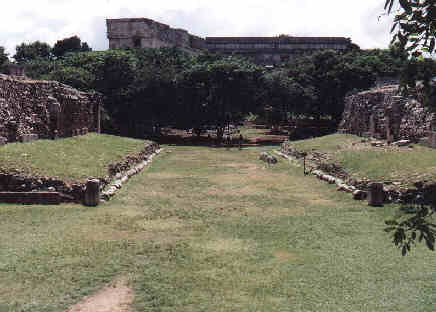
(44, 109)
(146, 33)
(383, 113)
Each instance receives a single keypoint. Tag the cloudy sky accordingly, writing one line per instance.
(51, 20)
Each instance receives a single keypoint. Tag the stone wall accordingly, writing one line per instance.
(274, 50)
(383, 113)
(32, 109)
(146, 33)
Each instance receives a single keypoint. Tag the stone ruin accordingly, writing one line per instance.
(384, 114)
(147, 33)
(32, 109)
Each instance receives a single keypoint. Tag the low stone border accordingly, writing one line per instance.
(13, 182)
(122, 178)
(342, 186)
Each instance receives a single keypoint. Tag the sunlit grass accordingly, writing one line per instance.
(206, 229)
(73, 158)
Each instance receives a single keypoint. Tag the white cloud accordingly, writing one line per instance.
(52, 20)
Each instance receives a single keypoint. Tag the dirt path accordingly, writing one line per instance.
(116, 297)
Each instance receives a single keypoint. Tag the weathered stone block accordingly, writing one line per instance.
(376, 195)
(92, 193)
(432, 139)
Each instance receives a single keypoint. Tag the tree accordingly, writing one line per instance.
(219, 91)
(72, 44)
(76, 77)
(414, 24)
(327, 77)
(415, 30)
(4, 60)
(31, 51)
(3, 56)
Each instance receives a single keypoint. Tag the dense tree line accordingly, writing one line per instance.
(148, 88)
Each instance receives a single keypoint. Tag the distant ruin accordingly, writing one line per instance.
(32, 109)
(384, 114)
(146, 33)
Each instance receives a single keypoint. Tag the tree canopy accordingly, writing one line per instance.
(31, 51)
(3, 56)
(414, 24)
(72, 44)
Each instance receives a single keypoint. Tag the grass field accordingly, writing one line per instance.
(207, 229)
(71, 159)
(361, 160)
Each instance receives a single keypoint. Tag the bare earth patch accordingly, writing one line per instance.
(284, 256)
(113, 298)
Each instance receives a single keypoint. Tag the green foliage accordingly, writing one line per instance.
(381, 62)
(67, 45)
(40, 68)
(407, 231)
(219, 91)
(32, 51)
(322, 81)
(3, 56)
(146, 88)
(73, 76)
(414, 25)
(4, 59)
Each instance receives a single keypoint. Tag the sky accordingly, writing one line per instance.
(52, 20)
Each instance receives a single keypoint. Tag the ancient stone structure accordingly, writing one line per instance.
(92, 193)
(274, 50)
(382, 113)
(376, 195)
(44, 109)
(146, 33)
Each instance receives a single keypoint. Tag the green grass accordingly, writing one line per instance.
(405, 164)
(328, 143)
(75, 158)
(207, 229)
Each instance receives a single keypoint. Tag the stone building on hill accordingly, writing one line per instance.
(146, 33)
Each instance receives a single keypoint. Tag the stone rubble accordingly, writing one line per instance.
(384, 114)
(31, 109)
(122, 178)
(267, 158)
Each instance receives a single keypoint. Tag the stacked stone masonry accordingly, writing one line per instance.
(383, 113)
(44, 109)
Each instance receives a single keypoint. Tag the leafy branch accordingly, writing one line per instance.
(417, 228)
(414, 25)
